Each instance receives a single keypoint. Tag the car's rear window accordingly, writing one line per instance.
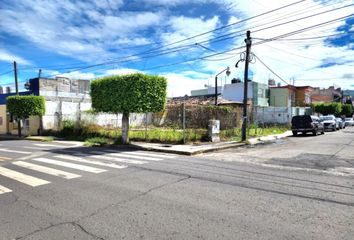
(326, 118)
(303, 119)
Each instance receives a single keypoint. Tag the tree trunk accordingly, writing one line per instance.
(125, 128)
(19, 126)
(40, 125)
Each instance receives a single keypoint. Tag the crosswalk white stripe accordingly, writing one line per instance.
(48, 145)
(13, 151)
(47, 170)
(70, 165)
(128, 156)
(35, 148)
(26, 179)
(4, 190)
(117, 159)
(78, 159)
(149, 154)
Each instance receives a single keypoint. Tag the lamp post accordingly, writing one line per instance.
(228, 72)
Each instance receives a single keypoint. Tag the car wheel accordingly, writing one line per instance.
(314, 132)
(294, 133)
(334, 129)
(322, 132)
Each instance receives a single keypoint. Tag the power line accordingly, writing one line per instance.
(176, 49)
(216, 29)
(310, 38)
(258, 43)
(6, 72)
(270, 69)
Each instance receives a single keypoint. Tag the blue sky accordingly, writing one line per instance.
(90, 39)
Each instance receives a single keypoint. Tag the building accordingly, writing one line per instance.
(282, 96)
(303, 96)
(326, 95)
(64, 99)
(257, 92)
(208, 90)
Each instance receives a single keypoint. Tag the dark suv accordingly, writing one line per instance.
(305, 124)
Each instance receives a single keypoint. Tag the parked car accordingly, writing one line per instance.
(349, 122)
(305, 124)
(341, 123)
(329, 122)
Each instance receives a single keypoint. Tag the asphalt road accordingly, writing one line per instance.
(298, 188)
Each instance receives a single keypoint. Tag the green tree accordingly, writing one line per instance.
(347, 110)
(24, 106)
(132, 93)
(328, 108)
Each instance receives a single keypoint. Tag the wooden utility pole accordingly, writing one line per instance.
(248, 42)
(16, 86)
(15, 72)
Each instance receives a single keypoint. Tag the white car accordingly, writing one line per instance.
(330, 122)
(341, 123)
(349, 122)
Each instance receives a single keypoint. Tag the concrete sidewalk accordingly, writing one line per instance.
(183, 149)
(186, 149)
(193, 149)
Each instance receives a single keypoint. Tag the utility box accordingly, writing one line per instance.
(214, 130)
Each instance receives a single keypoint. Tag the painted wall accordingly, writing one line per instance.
(234, 92)
(3, 119)
(281, 115)
(279, 97)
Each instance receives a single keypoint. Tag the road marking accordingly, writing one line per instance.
(47, 145)
(78, 159)
(117, 159)
(4, 190)
(47, 170)
(13, 151)
(128, 156)
(33, 155)
(149, 154)
(70, 165)
(4, 158)
(35, 148)
(26, 179)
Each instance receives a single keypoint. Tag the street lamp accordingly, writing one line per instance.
(228, 72)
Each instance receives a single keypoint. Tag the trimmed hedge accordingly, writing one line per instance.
(347, 110)
(132, 93)
(328, 108)
(25, 106)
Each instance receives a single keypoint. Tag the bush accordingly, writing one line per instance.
(98, 142)
(347, 110)
(328, 108)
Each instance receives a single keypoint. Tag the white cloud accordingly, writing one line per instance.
(120, 71)
(179, 84)
(183, 27)
(6, 56)
(86, 29)
(77, 75)
(81, 30)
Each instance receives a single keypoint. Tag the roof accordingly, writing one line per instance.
(208, 99)
(284, 87)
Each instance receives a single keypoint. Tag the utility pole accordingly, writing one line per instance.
(15, 72)
(248, 42)
(16, 85)
(216, 90)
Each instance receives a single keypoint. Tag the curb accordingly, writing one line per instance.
(191, 152)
